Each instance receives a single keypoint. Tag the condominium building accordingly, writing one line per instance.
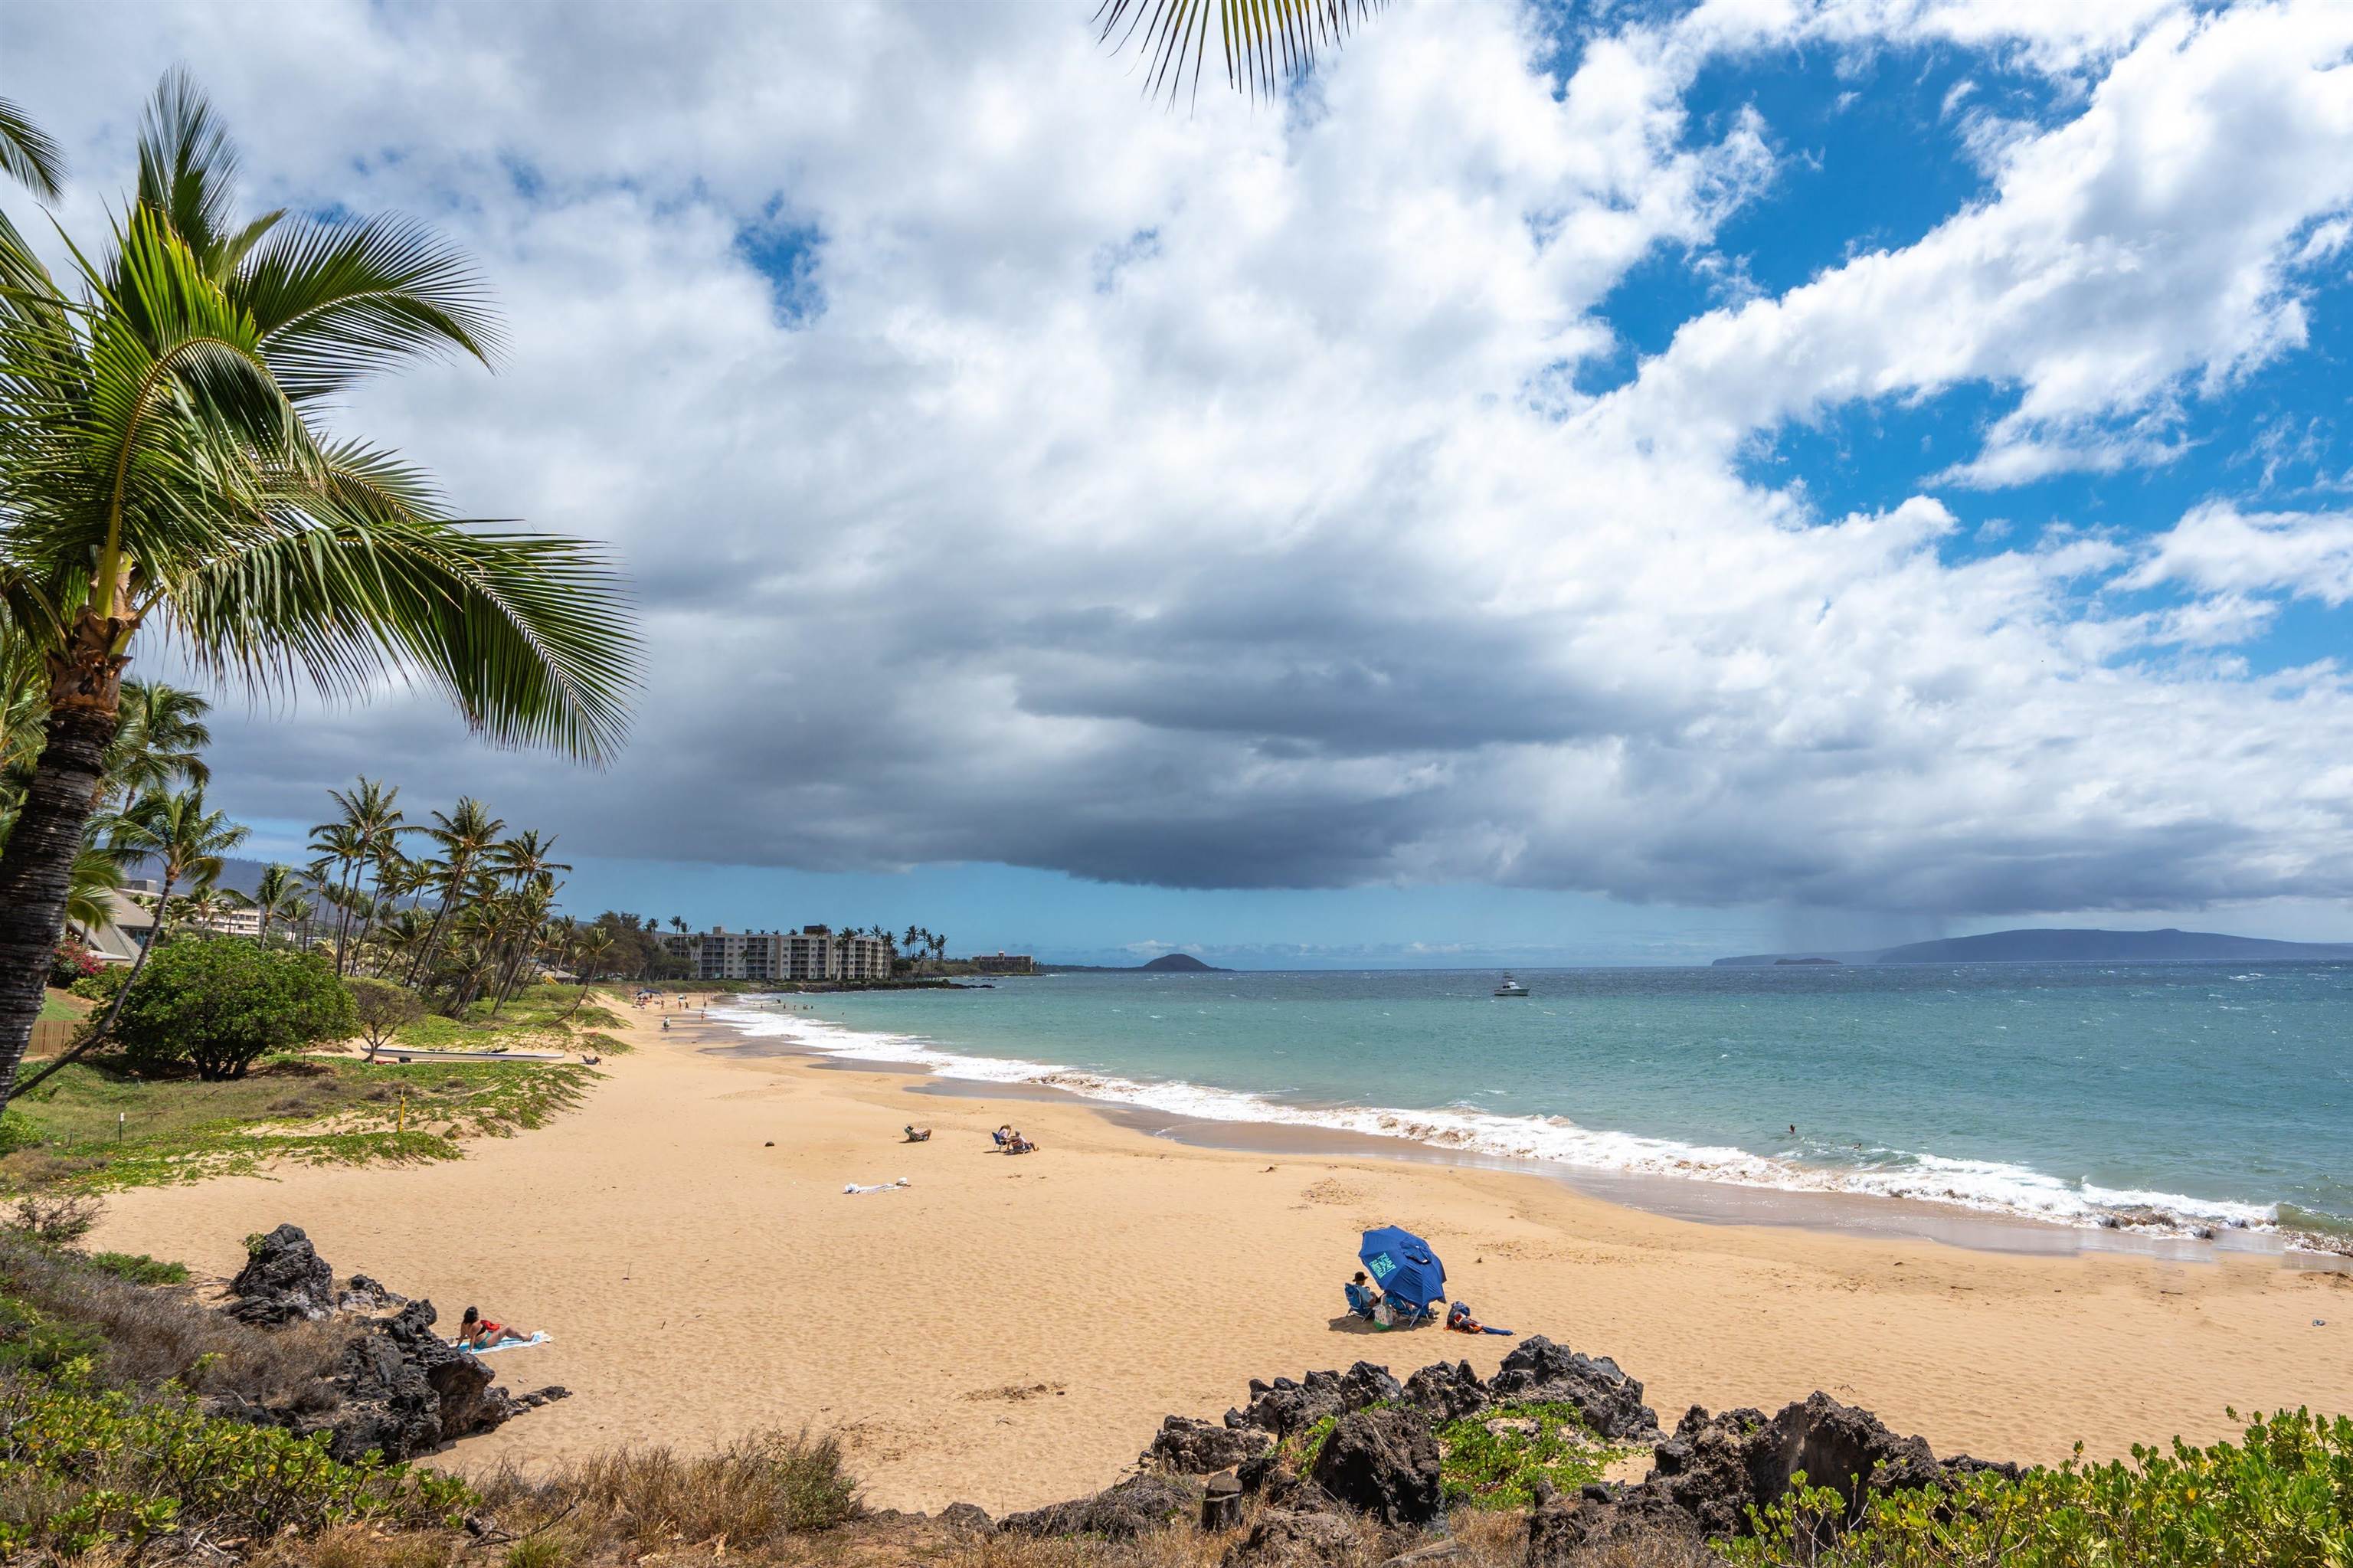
(811, 953)
(1004, 964)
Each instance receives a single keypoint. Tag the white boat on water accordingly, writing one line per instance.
(1511, 988)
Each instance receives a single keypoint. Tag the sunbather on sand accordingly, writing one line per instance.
(1017, 1144)
(478, 1332)
(918, 1134)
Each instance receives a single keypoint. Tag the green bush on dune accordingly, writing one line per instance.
(2283, 1499)
(218, 1003)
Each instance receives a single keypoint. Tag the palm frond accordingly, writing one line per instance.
(28, 155)
(1267, 43)
(188, 165)
(523, 632)
(335, 302)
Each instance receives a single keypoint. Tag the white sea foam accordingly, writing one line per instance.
(1985, 1186)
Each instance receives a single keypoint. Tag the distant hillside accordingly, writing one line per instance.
(2044, 944)
(1165, 964)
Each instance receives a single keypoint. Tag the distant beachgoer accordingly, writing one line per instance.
(481, 1334)
(665, 1025)
(1364, 1300)
(1793, 1129)
(1017, 1144)
(918, 1134)
(1004, 1135)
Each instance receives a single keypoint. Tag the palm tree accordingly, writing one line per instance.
(369, 831)
(161, 462)
(524, 856)
(1266, 44)
(185, 842)
(595, 943)
(464, 836)
(274, 897)
(160, 743)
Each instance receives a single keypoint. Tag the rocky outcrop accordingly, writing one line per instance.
(1382, 1463)
(1446, 1392)
(1286, 1537)
(1575, 1530)
(1191, 1447)
(407, 1391)
(1134, 1506)
(284, 1280)
(1283, 1407)
(363, 1296)
(1609, 1401)
(399, 1389)
(1713, 1469)
(967, 1515)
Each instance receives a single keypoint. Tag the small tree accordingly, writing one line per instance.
(217, 1003)
(384, 1010)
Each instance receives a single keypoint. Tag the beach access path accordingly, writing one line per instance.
(1010, 1330)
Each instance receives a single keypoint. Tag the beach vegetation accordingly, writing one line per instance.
(83, 1466)
(382, 1008)
(163, 463)
(219, 1003)
(137, 1333)
(2281, 1497)
(1495, 1459)
(110, 1123)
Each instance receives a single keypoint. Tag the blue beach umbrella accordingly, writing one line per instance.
(1402, 1264)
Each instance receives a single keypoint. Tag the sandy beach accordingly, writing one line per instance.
(1010, 1330)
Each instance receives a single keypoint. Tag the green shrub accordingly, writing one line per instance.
(218, 1002)
(138, 1269)
(81, 1467)
(2283, 1499)
(32, 1340)
(1494, 1459)
(383, 1009)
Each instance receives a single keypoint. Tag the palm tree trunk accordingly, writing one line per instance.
(37, 865)
(92, 1040)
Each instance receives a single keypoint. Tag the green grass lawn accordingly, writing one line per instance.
(543, 1018)
(56, 1004)
(311, 1110)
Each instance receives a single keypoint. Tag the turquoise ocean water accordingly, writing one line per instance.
(2173, 1098)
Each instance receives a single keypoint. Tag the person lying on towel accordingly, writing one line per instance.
(918, 1134)
(480, 1334)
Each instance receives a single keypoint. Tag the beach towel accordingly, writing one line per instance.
(539, 1339)
(854, 1189)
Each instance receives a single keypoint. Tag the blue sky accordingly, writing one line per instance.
(1614, 485)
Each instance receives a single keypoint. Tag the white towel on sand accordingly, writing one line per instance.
(854, 1188)
(539, 1339)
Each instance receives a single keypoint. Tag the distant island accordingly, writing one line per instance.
(2049, 944)
(1165, 964)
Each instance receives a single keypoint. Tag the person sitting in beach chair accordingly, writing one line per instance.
(1364, 1297)
(918, 1134)
(476, 1332)
(1459, 1318)
(1004, 1135)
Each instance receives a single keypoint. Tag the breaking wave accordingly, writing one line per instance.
(1984, 1186)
